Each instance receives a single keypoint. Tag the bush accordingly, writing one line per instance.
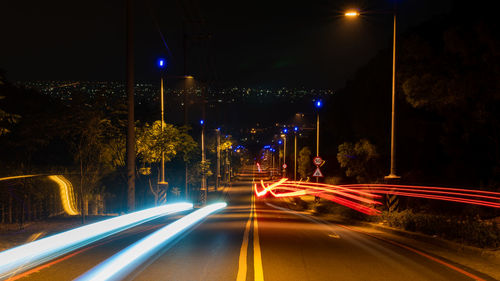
(471, 230)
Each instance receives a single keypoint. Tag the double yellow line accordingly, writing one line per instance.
(257, 259)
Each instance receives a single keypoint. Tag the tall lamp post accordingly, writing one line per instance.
(280, 142)
(218, 159)
(162, 65)
(283, 136)
(203, 177)
(318, 104)
(392, 174)
(295, 130)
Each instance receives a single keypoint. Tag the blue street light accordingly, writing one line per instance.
(318, 104)
(280, 142)
(285, 131)
(161, 63)
(296, 129)
(202, 122)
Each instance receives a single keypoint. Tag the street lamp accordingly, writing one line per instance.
(163, 66)
(203, 177)
(218, 159)
(295, 130)
(351, 14)
(392, 174)
(318, 104)
(283, 136)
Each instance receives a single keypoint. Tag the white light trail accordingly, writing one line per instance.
(125, 261)
(29, 255)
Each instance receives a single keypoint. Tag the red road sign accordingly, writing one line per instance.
(284, 166)
(318, 173)
(317, 160)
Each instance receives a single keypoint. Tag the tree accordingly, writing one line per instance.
(304, 160)
(359, 160)
(452, 73)
(151, 142)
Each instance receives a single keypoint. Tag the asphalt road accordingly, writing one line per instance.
(259, 241)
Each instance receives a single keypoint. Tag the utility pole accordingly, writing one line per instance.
(130, 99)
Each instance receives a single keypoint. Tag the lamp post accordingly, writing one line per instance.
(279, 155)
(162, 66)
(218, 159)
(188, 79)
(392, 173)
(284, 151)
(203, 177)
(318, 104)
(295, 129)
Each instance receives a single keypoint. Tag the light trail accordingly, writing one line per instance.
(354, 193)
(17, 177)
(67, 194)
(29, 255)
(125, 261)
(66, 191)
(296, 190)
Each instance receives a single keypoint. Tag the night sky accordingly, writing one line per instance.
(252, 43)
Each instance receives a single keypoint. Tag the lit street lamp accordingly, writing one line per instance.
(162, 65)
(283, 136)
(203, 176)
(318, 104)
(392, 174)
(295, 129)
(218, 159)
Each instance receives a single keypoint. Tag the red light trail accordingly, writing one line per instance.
(362, 197)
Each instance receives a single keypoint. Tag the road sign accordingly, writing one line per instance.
(318, 173)
(284, 166)
(317, 160)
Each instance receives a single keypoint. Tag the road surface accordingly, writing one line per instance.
(254, 240)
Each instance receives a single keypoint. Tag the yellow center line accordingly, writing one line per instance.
(257, 259)
(242, 263)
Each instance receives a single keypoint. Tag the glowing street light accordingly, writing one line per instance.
(392, 174)
(351, 14)
(162, 65)
(318, 104)
(295, 129)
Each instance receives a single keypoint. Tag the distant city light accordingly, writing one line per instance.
(280, 142)
(285, 131)
(318, 104)
(202, 122)
(296, 129)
